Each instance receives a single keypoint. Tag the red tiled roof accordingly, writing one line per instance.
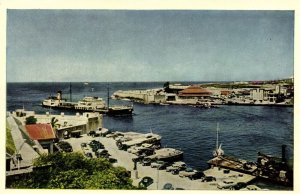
(195, 91)
(225, 92)
(40, 131)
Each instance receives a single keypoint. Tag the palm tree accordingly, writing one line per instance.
(54, 123)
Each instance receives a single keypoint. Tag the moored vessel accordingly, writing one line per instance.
(167, 155)
(87, 104)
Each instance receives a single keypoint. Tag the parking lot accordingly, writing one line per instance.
(160, 177)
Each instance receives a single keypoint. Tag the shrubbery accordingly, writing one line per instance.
(74, 171)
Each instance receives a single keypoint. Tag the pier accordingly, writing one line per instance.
(160, 177)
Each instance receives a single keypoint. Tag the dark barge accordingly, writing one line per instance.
(266, 167)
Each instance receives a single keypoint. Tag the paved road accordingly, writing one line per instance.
(160, 177)
(26, 151)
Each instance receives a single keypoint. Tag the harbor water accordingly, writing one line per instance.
(244, 130)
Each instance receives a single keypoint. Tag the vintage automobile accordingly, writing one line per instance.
(187, 172)
(226, 184)
(197, 175)
(160, 165)
(208, 179)
(168, 186)
(146, 162)
(146, 181)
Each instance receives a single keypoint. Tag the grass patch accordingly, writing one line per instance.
(10, 145)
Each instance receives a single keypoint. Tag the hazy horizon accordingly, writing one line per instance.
(179, 81)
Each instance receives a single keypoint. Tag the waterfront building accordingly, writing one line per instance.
(23, 153)
(43, 133)
(171, 97)
(160, 98)
(84, 123)
(258, 94)
(195, 92)
(266, 95)
(31, 140)
(145, 96)
(225, 93)
(281, 90)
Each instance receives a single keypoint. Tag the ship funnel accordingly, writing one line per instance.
(59, 95)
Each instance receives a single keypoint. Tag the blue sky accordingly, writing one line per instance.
(143, 45)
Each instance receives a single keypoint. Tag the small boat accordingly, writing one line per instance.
(164, 104)
(167, 155)
(129, 139)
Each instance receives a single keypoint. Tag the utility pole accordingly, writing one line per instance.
(157, 177)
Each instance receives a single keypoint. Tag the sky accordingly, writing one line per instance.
(148, 45)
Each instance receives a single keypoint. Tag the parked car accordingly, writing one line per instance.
(226, 184)
(91, 133)
(65, 146)
(175, 171)
(187, 172)
(145, 182)
(197, 175)
(163, 166)
(103, 132)
(179, 165)
(138, 159)
(239, 185)
(102, 153)
(83, 145)
(89, 154)
(208, 179)
(168, 186)
(146, 162)
(96, 145)
(251, 188)
(144, 152)
(170, 168)
(176, 167)
(157, 164)
(112, 160)
(226, 171)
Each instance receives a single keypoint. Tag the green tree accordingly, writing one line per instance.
(70, 179)
(110, 179)
(30, 120)
(54, 123)
(74, 171)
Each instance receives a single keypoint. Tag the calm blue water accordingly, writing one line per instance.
(244, 130)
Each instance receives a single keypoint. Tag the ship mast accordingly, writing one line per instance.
(107, 96)
(217, 142)
(70, 92)
(218, 152)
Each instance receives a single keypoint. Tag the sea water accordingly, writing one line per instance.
(244, 130)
